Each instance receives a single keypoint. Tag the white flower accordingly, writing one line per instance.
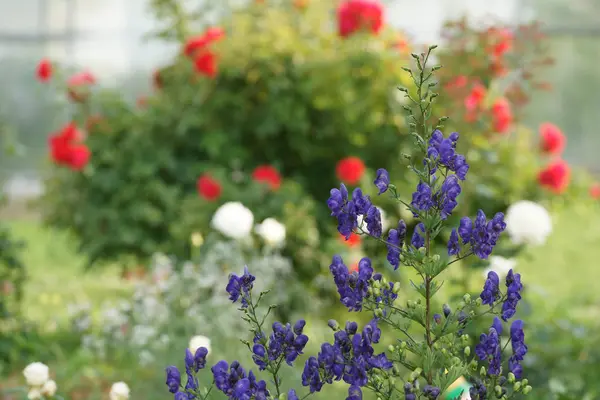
(34, 394)
(363, 225)
(500, 265)
(119, 391)
(272, 231)
(199, 341)
(528, 223)
(49, 388)
(36, 374)
(233, 220)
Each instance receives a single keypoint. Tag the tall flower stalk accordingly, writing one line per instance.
(431, 351)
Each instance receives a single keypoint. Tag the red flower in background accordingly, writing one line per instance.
(350, 170)
(157, 81)
(555, 176)
(552, 140)
(595, 191)
(206, 64)
(458, 82)
(474, 101)
(353, 241)
(502, 41)
(356, 15)
(267, 174)
(78, 85)
(66, 148)
(196, 43)
(502, 115)
(208, 188)
(44, 70)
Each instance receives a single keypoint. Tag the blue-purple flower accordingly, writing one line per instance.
(352, 287)
(481, 235)
(240, 286)
(491, 289)
(489, 349)
(513, 295)
(382, 180)
(395, 241)
(519, 348)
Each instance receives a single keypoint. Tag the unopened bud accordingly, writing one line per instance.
(467, 351)
(391, 348)
(478, 301)
(498, 390)
(446, 309)
(376, 284)
(482, 371)
(377, 292)
(378, 312)
(524, 382)
(527, 389)
(467, 298)
(402, 345)
(396, 288)
(436, 257)
(333, 324)
(511, 377)
(517, 386)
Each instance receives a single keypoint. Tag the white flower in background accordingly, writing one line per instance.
(119, 391)
(528, 223)
(34, 394)
(363, 225)
(49, 388)
(272, 231)
(199, 341)
(233, 220)
(500, 265)
(36, 374)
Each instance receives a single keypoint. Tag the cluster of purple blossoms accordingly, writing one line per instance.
(350, 358)
(235, 384)
(285, 341)
(513, 295)
(418, 238)
(442, 152)
(519, 348)
(240, 287)
(353, 287)
(478, 391)
(193, 364)
(489, 348)
(491, 292)
(395, 241)
(480, 235)
(347, 211)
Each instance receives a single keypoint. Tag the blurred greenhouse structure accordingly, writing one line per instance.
(109, 38)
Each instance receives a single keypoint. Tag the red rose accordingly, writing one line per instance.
(502, 115)
(356, 15)
(44, 70)
(267, 174)
(555, 176)
(595, 191)
(196, 43)
(353, 241)
(66, 148)
(78, 86)
(350, 170)
(208, 188)
(553, 141)
(79, 157)
(206, 64)
(502, 42)
(474, 100)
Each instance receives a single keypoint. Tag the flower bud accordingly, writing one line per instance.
(517, 386)
(395, 370)
(467, 351)
(461, 305)
(414, 375)
(467, 298)
(419, 301)
(370, 291)
(378, 312)
(446, 309)
(524, 382)
(465, 339)
(482, 371)
(511, 377)
(391, 348)
(444, 352)
(527, 389)
(402, 345)
(436, 346)
(455, 360)
(436, 257)
(498, 391)
(377, 292)
(396, 288)
(333, 324)
(473, 365)
(376, 284)
(422, 251)
(478, 301)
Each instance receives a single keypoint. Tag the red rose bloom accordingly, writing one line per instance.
(44, 70)
(553, 141)
(475, 98)
(78, 86)
(356, 15)
(353, 241)
(267, 174)
(208, 188)
(502, 115)
(350, 170)
(66, 148)
(555, 176)
(595, 191)
(196, 43)
(206, 64)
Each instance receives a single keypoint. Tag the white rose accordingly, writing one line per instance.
(119, 391)
(233, 220)
(272, 231)
(36, 374)
(49, 388)
(363, 225)
(199, 341)
(528, 223)
(500, 265)
(34, 394)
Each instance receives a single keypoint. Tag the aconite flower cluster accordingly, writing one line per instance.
(431, 350)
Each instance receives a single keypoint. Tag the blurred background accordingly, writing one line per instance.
(88, 285)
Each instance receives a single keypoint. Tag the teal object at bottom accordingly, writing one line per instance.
(456, 392)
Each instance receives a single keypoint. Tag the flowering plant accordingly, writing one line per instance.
(414, 367)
